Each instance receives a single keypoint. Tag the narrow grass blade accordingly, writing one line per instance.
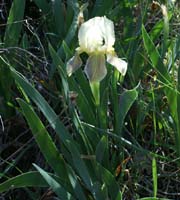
(51, 117)
(44, 140)
(59, 16)
(58, 64)
(77, 187)
(102, 155)
(29, 179)
(11, 38)
(84, 98)
(14, 23)
(155, 56)
(104, 99)
(157, 63)
(156, 30)
(127, 98)
(73, 27)
(173, 97)
(115, 102)
(177, 134)
(99, 193)
(43, 106)
(109, 180)
(154, 174)
(166, 28)
(56, 187)
(80, 166)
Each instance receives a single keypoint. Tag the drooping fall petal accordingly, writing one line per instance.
(95, 68)
(73, 64)
(120, 64)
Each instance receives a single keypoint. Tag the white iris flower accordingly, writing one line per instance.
(96, 38)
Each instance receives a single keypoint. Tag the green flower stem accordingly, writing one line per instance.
(95, 88)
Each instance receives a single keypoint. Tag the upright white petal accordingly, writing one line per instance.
(107, 27)
(96, 35)
(90, 36)
(120, 64)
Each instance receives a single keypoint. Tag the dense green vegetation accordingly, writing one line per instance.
(57, 141)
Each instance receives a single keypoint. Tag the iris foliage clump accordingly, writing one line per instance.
(89, 99)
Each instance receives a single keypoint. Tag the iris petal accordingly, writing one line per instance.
(73, 64)
(120, 64)
(95, 68)
(97, 34)
(96, 38)
(107, 28)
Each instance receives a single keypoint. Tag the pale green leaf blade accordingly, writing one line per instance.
(80, 166)
(44, 140)
(14, 23)
(56, 187)
(154, 56)
(43, 106)
(127, 98)
(29, 179)
(154, 173)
